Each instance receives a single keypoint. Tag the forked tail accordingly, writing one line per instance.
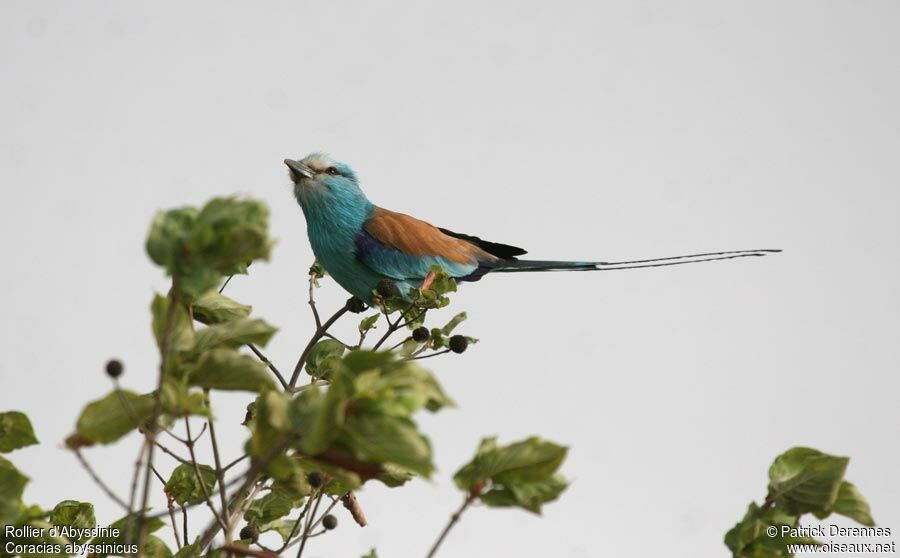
(513, 265)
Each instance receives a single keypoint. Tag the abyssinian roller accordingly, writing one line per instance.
(360, 244)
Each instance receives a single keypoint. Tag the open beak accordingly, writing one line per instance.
(298, 170)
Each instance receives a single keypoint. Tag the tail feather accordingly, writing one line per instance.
(515, 266)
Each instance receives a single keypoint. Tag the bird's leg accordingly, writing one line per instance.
(429, 279)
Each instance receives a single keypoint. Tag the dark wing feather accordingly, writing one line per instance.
(503, 251)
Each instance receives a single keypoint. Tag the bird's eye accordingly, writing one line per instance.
(332, 171)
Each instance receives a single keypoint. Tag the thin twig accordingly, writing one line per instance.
(200, 480)
(400, 343)
(268, 363)
(330, 336)
(330, 507)
(171, 453)
(235, 462)
(320, 331)
(188, 440)
(249, 479)
(312, 299)
(98, 480)
(174, 301)
(453, 519)
(132, 496)
(174, 523)
(439, 353)
(225, 284)
(288, 543)
(220, 473)
(184, 527)
(309, 522)
(394, 326)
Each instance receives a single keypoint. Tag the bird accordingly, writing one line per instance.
(361, 244)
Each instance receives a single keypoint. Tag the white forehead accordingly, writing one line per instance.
(318, 161)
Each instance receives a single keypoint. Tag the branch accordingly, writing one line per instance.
(439, 353)
(201, 482)
(268, 363)
(320, 331)
(98, 480)
(313, 276)
(453, 520)
(250, 478)
(174, 300)
(220, 473)
(309, 523)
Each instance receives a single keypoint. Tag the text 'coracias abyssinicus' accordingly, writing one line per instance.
(361, 244)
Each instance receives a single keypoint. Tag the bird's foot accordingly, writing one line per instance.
(429, 279)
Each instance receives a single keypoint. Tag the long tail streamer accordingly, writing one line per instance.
(512, 266)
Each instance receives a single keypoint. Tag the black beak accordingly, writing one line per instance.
(298, 170)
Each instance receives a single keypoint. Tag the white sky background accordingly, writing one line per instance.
(576, 130)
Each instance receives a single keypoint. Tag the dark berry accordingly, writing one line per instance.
(458, 344)
(329, 522)
(355, 305)
(249, 533)
(421, 334)
(114, 368)
(315, 479)
(386, 288)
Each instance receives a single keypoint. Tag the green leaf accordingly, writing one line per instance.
(226, 369)
(234, 333)
(198, 247)
(386, 439)
(154, 546)
(192, 550)
(399, 388)
(288, 473)
(395, 475)
(276, 504)
(184, 485)
(851, 503)
(178, 401)
(15, 431)
(408, 347)
(106, 420)
(437, 339)
(530, 460)
(286, 528)
(181, 335)
(270, 422)
(451, 325)
(214, 308)
(751, 537)
(72, 513)
(368, 323)
(363, 360)
(528, 495)
(371, 554)
(321, 352)
(324, 420)
(340, 480)
(167, 233)
(12, 484)
(442, 283)
(805, 480)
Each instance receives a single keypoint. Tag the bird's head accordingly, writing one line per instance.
(320, 180)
